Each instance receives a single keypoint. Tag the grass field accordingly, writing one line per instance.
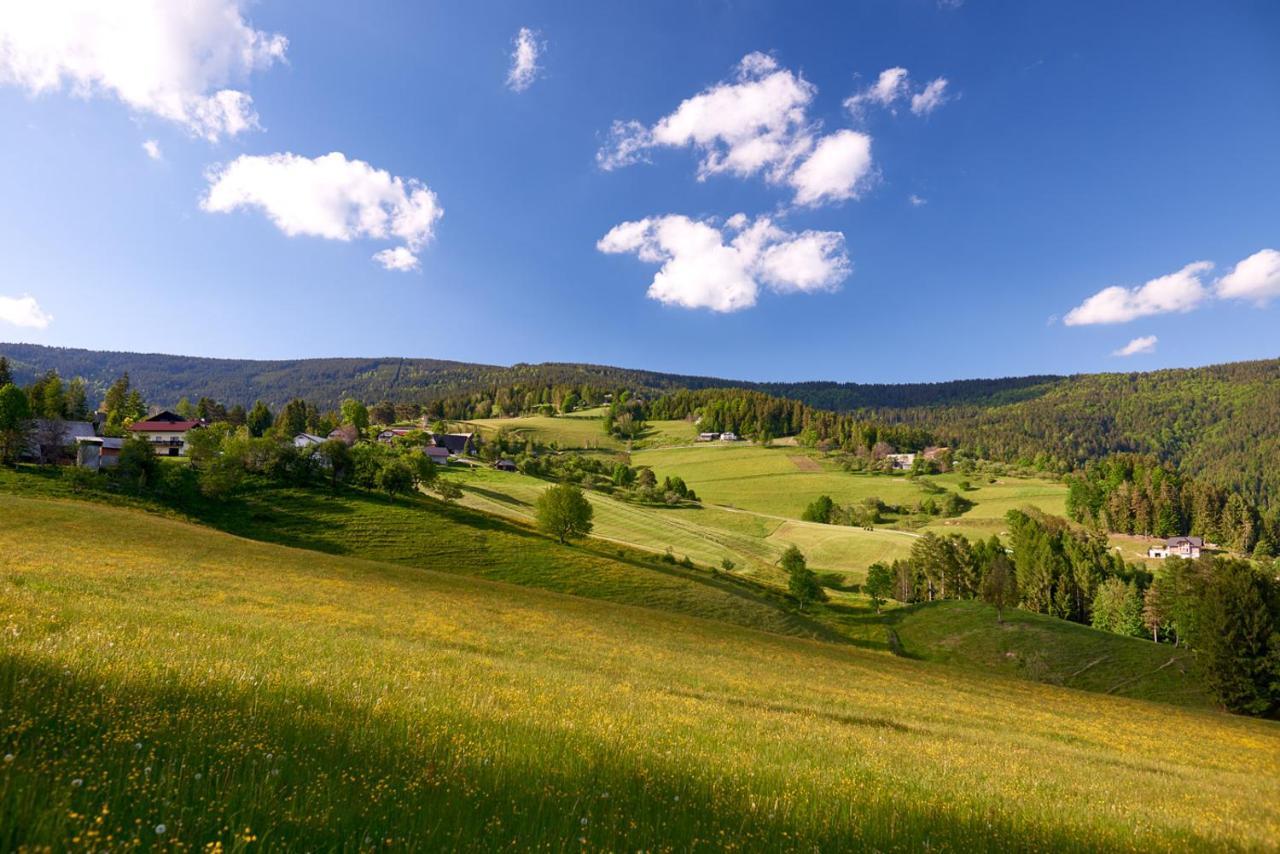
(577, 430)
(707, 534)
(778, 480)
(162, 683)
(994, 500)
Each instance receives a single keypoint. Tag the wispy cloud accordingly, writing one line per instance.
(1145, 344)
(152, 148)
(524, 60)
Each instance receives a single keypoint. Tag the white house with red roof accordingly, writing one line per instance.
(167, 432)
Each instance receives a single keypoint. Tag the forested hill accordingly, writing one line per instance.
(1219, 423)
(164, 379)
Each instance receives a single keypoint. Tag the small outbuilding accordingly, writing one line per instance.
(97, 452)
(505, 465)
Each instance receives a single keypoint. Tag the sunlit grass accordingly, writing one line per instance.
(161, 682)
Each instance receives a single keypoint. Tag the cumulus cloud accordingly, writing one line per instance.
(1177, 292)
(173, 60)
(723, 268)
(524, 60)
(755, 124)
(837, 169)
(152, 148)
(23, 311)
(1145, 344)
(330, 197)
(1256, 278)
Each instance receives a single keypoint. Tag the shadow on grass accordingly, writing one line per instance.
(306, 770)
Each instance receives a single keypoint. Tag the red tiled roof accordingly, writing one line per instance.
(163, 426)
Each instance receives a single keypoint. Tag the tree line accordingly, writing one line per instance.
(1140, 494)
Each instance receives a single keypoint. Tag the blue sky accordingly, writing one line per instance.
(1072, 148)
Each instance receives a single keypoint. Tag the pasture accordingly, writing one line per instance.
(167, 685)
(706, 534)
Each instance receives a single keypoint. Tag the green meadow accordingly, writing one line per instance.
(706, 534)
(164, 684)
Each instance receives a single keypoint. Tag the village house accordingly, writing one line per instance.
(458, 444)
(439, 456)
(728, 437)
(97, 452)
(347, 434)
(167, 432)
(50, 438)
(389, 435)
(1184, 547)
(901, 462)
(307, 440)
(708, 437)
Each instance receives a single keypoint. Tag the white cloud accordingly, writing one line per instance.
(755, 124)
(23, 311)
(1177, 292)
(933, 96)
(1256, 278)
(175, 60)
(891, 85)
(399, 258)
(330, 197)
(917, 201)
(1145, 344)
(524, 60)
(723, 268)
(152, 148)
(837, 169)
(894, 85)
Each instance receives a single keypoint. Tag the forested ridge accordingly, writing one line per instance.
(1218, 424)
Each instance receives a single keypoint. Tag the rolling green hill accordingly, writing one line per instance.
(162, 683)
(1045, 649)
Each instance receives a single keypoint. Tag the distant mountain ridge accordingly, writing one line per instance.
(165, 378)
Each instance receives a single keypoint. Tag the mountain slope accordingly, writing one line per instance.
(162, 682)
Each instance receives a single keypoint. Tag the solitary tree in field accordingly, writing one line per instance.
(564, 512)
(802, 582)
(879, 584)
(1000, 586)
(394, 478)
(447, 490)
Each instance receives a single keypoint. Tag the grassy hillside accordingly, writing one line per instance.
(163, 683)
(421, 532)
(1045, 649)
